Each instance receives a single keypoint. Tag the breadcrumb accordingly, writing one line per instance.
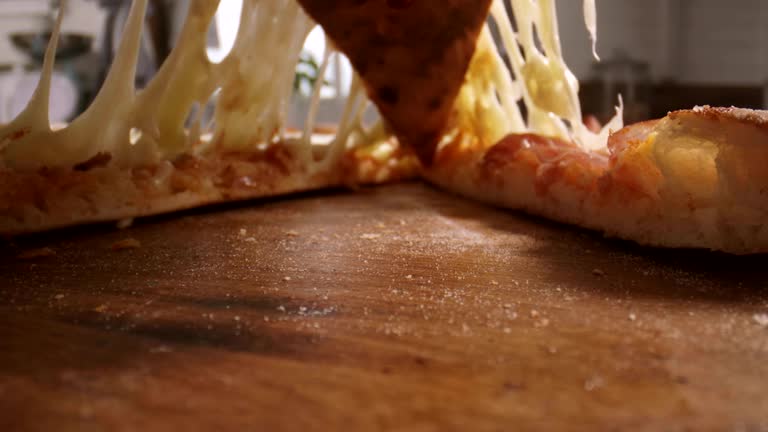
(594, 383)
(124, 223)
(129, 243)
(761, 319)
(370, 236)
(598, 272)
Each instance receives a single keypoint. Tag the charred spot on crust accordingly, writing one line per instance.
(389, 95)
(435, 103)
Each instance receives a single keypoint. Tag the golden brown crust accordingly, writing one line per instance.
(696, 178)
(53, 198)
(747, 116)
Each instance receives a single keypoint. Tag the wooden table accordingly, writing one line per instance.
(397, 308)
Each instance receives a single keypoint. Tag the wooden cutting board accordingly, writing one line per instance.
(397, 308)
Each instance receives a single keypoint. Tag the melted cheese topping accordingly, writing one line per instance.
(489, 105)
(253, 87)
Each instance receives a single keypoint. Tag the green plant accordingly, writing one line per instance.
(307, 74)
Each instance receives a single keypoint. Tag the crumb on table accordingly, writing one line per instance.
(128, 243)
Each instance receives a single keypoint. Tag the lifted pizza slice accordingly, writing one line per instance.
(412, 55)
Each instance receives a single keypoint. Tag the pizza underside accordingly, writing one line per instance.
(493, 116)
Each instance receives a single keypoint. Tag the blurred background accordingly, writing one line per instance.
(660, 55)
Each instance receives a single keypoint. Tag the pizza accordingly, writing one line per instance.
(503, 129)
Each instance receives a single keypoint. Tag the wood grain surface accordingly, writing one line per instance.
(397, 308)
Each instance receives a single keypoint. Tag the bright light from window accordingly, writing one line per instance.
(338, 74)
(227, 24)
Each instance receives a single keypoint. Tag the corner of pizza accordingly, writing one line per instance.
(506, 130)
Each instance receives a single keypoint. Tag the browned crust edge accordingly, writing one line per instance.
(49, 199)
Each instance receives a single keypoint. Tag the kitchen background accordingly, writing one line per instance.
(660, 54)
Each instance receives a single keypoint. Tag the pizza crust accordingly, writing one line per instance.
(411, 55)
(46, 199)
(695, 179)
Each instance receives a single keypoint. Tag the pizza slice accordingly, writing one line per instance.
(413, 56)
(695, 179)
(138, 153)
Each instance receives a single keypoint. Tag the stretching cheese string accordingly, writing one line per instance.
(489, 104)
(253, 85)
(590, 19)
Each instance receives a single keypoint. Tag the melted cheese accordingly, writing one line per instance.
(590, 19)
(253, 85)
(489, 104)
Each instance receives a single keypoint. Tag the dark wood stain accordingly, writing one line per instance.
(397, 308)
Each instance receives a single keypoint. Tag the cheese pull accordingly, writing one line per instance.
(251, 89)
(432, 71)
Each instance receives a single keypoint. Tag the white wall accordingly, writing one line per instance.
(691, 41)
(723, 41)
